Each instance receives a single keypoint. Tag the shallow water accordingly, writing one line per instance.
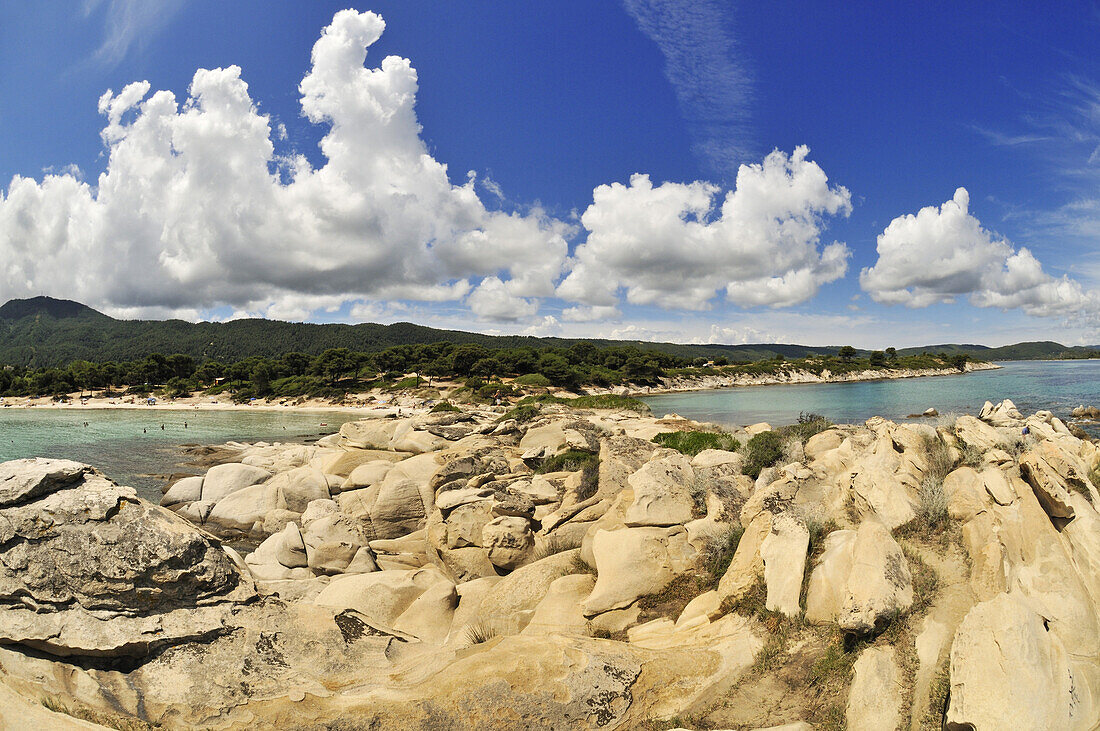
(130, 445)
(1058, 386)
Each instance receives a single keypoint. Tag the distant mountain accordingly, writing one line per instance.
(43, 331)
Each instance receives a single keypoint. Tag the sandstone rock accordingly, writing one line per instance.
(822, 442)
(978, 434)
(508, 607)
(223, 479)
(26, 479)
(367, 474)
(875, 700)
(242, 509)
(450, 499)
(398, 509)
(362, 563)
(1050, 489)
(290, 550)
(264, 564)
(512, 504)
(331, 542)
(466, 523)
(661, 492)
(1006, 664)
(747, 566)
(783, 552)
(718, 458)
(538, 490)
(862, 580)
(708, 604)
(381, 596)
(467, 564)
(635, 562)
(754, 429)
(620, 457)
(86, 568)
(300, 486)
(187, 490)
(508, 541)
(429, 616)
(559, 611)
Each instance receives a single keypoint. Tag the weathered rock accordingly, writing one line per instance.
(746, 567)
(242, 509)
(514, 504)
(783, 552)
(450, 499)
(224, 479)
(635, 562)
(466, 523)
(300, 486)
(822, 442)
(509, 606)
(875, 700)
(754, 429)
(291, 548)
(26, 479)
(710, 458)
(620, 457)
(1050, 489)
(382, 596)
(86, 568)
(508, 541)
(862, 580)
(187, 490)
(661, 492)
(331, 542)
(978, 434)
(367, 474)
(559, 612)
(1006, 664)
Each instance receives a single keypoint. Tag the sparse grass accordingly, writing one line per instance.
(926, 583)
(670, 601)
(603, 401)
(554, 545)
(937, 458)
(570, 460)
(718, 552)
(692, 443)
(1081, 488)
(763, 450)
(590, 480)
(835, 664)
(938, 693)
(969, 455)
(932, 511)
(819, 531)
(480, 632)
(579, 566)
(103, 718)
(444, 407)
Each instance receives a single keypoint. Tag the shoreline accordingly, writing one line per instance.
(690, 384)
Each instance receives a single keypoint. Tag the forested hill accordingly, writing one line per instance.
(42, 332)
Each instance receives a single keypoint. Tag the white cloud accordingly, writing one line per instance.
(670, 245)
(191, 212)
(492, 301)
(941, 254)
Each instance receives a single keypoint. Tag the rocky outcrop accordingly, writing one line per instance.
(88, 569)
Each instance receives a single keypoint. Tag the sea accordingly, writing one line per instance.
(1058, 386)
(141, 447)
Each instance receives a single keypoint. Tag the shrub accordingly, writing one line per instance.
(480, 632)
(554, 545)
(444, 406)
(763, 450)
(532, 379)
(569, 461)
(590, 480)
(608, 401)
(522, 413)
(692, 443)
(807, 426)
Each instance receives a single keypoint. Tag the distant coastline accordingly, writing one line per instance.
(680, 384)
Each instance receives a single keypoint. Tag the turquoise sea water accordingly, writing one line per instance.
(130, 446)
(1033, 385)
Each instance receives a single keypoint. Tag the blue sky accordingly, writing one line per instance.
(348, 199)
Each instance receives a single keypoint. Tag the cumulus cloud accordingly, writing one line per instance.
(671, 245)
(196, 209)
(941, 254)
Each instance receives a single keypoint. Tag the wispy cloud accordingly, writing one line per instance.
(127, 22)
(712, 85)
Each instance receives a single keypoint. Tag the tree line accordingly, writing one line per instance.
(336, 371)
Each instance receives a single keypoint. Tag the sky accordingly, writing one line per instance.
(825, 173)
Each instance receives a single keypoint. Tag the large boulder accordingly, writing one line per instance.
(1007, 664)
(331, 542)
(662, 494)
(187, 490)
(224, 479)
(508, 541)
(875, 699)
(242, 510)
(635, 562)
(783, 552)
(87, 568)
(862, 580)
(300, 486)
(383, 596)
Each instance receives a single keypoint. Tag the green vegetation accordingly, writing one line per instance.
(443, 407)
(522, 413)
(807, 426)
(568, 461)
(763, 450)
(532, 379)
(692, 443)
(718, 553)
(102, 718)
